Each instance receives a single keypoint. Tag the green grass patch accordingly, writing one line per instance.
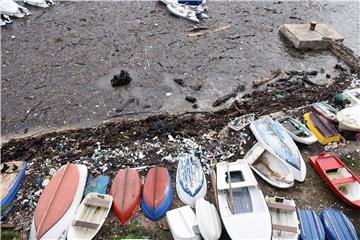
(9, 235)
(132, 231)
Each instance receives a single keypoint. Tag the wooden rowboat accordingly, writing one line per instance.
(90, 216)
(58, 203)
(341, 180)
(321, 128)
(11, 177)
(126, 192)
(284, 219)
(157, 193)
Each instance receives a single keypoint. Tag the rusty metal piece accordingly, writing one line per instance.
(312, 25)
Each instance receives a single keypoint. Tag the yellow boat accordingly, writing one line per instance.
(321, 128)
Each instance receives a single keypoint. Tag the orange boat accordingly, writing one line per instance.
(126, 192)
(58, 202)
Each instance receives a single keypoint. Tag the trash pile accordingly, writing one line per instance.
(9, 8)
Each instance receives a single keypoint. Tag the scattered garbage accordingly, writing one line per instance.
(121, 79)
(240, 122)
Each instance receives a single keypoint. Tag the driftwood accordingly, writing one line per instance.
(266, 79)
(347, 55)
(200, 33)
(228, 96)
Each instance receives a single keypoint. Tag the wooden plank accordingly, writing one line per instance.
(83, 224)
(284, 228)
(281, 206)
(97, 202)
(7, 226)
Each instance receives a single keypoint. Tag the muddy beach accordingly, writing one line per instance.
(58, 104)
(57, 63)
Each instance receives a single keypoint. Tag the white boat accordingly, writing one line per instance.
(349, 118)
(4, 19)
(40, 3)
(269, 167)
(90, 216)
(182, 224)
(190, 179)
(242, 205)
(11, 8)
(240, 122)
(353, 95)
(182, 11)
(58, 203)
(208, 220)
(273, 137)
(297, 131)
(284, 219)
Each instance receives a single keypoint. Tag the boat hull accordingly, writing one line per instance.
(321, 128)
(308, 140)
(310, 225)
(182, 224)
(126, 192)
(65, 189)
(349, 119)
(276, 140)
(337, 226)
(157, 193)
(208, 220)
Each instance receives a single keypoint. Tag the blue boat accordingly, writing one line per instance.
(337, 226)
(274, 138)
(190, 179)
(157, 193)
(97, 185)
(12, 174)
(311, 227)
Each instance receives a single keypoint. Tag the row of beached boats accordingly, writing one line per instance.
(9, 8)
(244, 211)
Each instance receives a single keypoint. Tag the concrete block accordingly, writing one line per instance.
(302, 38)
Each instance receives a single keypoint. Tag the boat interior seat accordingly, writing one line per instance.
(97, 202)
(284, 228)
(84, 224)
(329, 163)
(343, 180)
(281, 206)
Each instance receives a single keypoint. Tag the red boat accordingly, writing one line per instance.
(126, 191)
(339, 177)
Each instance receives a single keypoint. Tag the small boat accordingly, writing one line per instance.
(97, 185)
(90, 216)
(11, 8)
(324, 131)
(11, 176)
(310, 225)
(325, 110)
(297, 131)
(183, 11)
(58, 203)
(40, 3)
(349, 118)
(341, 180)
(208, 220)
(273, 137)
(337, 225)
(126, 192)
(182, 224)
(240, 122)
(269, 167)
(4, 19)
(157, 193)
(353, 96)
(190, 179)
(285, 222)
(242, 205)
